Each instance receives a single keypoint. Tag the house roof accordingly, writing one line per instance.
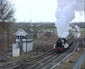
(20, 32)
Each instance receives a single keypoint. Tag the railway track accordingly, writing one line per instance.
(49, 62)
(4, 54)
(20, 63)
(22, 66)
(44, 61)
(39, 64)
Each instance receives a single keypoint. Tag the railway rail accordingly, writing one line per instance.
(4, 54)
(36, 60)
(20, 63)
(51, 61)
(70, 52)
(44, 61)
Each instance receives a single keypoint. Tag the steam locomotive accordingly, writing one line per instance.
(62, 44)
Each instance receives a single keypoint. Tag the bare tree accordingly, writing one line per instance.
(6, 11)
(6, 15)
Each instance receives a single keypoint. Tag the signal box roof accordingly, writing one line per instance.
(21, 32)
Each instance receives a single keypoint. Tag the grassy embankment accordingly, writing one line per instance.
(69, 63)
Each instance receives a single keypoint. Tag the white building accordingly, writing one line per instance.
(23, 40)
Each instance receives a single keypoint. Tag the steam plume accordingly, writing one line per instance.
(65, 14)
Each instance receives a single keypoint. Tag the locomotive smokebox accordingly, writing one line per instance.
(61, 41)
(61, 45)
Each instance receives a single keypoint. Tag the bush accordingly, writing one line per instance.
(48, 34)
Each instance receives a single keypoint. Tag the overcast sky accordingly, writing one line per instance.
(38, 11)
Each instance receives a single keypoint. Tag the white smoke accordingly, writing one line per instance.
(80, 5)
(65, 14)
